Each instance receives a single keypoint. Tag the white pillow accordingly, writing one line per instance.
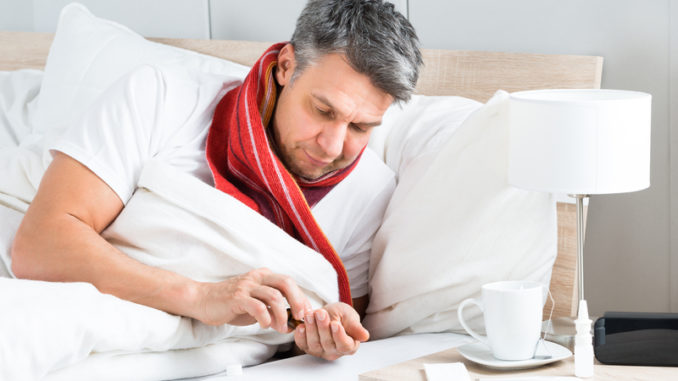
(89, 54)
(454, 224)
(18, 100)
(418, 126)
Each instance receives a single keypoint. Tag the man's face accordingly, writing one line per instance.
(324, 118)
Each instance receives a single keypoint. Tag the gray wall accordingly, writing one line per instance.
(239, 20)
(153, 18)
(222, 19)
(631, 260)
(16, 15)
(244, 20)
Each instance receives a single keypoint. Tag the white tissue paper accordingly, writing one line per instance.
(447, 371)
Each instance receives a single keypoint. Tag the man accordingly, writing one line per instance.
(280, 142)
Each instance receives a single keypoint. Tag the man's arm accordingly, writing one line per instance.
(58, 240)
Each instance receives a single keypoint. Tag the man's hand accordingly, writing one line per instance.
(331, 332)
(258, 295)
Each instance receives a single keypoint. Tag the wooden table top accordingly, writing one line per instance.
(413, 370)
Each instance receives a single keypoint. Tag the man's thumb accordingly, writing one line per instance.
(356, 330)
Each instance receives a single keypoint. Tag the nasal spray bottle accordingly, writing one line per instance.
(583, 343)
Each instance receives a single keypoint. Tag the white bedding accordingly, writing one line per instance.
(452, 225)
(70, 331)
(18, 102)
(18, 99)
(48, 326)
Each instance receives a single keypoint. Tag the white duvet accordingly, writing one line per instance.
(70, 331)
(453, 224)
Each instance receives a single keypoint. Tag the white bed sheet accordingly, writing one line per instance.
(371, 355)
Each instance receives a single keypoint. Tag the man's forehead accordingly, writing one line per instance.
(348, 108)
(331, 80)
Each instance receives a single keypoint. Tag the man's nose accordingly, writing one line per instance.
(331, 139)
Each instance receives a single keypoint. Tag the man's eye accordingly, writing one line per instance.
(323, 112)
(357, 128)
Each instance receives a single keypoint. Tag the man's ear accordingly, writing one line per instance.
(286, 65)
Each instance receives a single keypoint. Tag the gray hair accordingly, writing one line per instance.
(376, 40)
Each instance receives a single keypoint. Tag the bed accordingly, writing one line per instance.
(497, 233)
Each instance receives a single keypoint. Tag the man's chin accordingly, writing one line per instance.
(313, 175)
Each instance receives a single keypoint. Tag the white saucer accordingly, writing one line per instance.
(481, 354)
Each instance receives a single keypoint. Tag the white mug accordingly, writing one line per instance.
(512, 311)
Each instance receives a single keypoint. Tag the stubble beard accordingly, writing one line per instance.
(292, 165)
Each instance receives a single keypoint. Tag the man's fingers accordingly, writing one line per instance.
(291, 291)
(275, 304)
(355, 329)
(322, 321)
(258, 295)
(287, 290)
(300, 337)
(257, 309)
(312, 336)
(345, 344)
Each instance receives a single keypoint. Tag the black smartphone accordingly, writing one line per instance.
(637, 338)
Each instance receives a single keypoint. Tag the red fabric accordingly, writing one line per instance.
(245, 166)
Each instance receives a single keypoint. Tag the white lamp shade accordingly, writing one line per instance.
(580, 141)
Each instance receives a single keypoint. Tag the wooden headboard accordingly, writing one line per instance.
(471, 74)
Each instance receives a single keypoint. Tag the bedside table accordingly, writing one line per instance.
(413, 370)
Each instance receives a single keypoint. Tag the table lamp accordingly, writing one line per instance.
(579, 142)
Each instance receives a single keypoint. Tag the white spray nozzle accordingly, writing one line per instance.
(583, 345)
(583, 314)
(583, 324)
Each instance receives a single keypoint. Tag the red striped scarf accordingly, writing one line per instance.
(245, 166)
